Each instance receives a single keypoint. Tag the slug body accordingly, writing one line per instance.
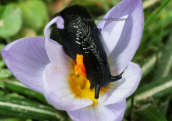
(81, 36)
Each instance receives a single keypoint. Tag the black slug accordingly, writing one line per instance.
(81, 36)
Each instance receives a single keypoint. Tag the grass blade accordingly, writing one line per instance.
(18, 87)
(154, 90)
(165, 62)
(5, 73)
(150, 113)
(150, 64)
(10, 106)
(152, 16)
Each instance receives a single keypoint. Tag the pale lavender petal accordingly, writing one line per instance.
(125, 7)
(57, 90)
(26, 58)
(130, 38)
(54, 50)
(111, 33)
(97, 112)
(60, 23)
(123, 88)
(114, 25)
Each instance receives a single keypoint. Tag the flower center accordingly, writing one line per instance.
(79, 84)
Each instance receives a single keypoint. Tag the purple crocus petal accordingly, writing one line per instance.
(54, 50)
(26, 58)
(130, 38)
(57, 90)
(114, 25)
(112, 28)
(123, 88)
(121, 116)
(111, 33)
(97, 112)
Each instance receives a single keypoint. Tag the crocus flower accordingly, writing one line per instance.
(41, 64)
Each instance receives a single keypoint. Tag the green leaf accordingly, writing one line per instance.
(10, 21)
(154, 90)
(149, 41)
(153, 15)
(34, 16)
(11, 119)
(24, 32)
(164, 104)
(165, 62)
(115, 2)
(163, 69)
(1, 46)
(12, 106)
(5, 73)
(28, 120)
(18, 87)
(148, 3)
(14, 94)
(150, 113)
(2, 63)
(1, 10)
(2, 85)
(150, 63)
(1, 93)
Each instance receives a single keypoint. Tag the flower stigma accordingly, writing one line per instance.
(79, 84)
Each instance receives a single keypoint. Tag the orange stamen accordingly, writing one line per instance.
(79, 67)
(79, 84)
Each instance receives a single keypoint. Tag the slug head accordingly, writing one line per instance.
(101, 79)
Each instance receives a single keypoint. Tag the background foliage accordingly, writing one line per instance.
(152, 101)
